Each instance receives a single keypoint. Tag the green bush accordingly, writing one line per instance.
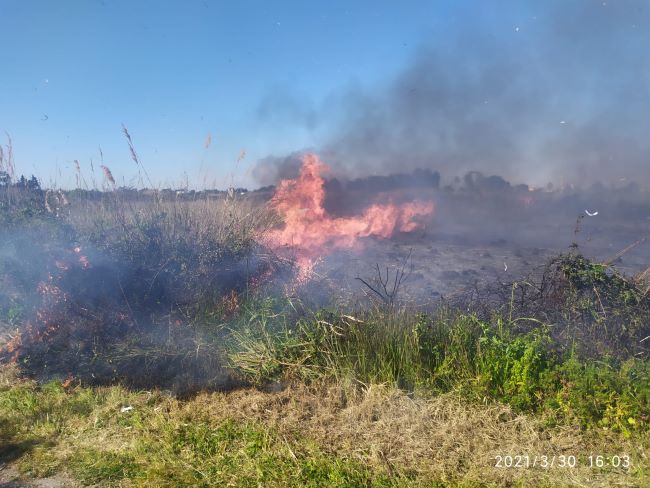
(602, 393)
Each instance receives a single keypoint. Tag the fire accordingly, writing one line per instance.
(312, 233)
(13, 346)
(49, 314)
(83, 260)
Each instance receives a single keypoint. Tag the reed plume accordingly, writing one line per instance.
(108, 175)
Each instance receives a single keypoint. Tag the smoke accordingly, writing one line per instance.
(101, 311)
(552, 91)
(314, 233)
(272, 169)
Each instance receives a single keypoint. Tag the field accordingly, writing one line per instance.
(167, 340)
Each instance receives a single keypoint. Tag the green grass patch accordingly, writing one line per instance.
(448, 351)
(219, 440)
(85, 433)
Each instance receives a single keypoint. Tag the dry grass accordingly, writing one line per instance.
(438, 438)
(412, 441)
(218, 218)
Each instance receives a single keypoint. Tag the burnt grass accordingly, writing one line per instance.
(135, 298)
(154, 294)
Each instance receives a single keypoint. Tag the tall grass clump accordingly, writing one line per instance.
(188, 251)
(437, 352)
(520, 360)
(126, 285)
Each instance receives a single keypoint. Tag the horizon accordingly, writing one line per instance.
(216, 94)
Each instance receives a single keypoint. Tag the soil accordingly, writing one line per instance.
(444, 260)
(10, 478)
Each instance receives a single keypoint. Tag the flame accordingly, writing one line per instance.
(312, 233)
(13, 347)
(50, 314)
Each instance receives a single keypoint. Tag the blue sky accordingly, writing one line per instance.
(255, 75)
(174, 72)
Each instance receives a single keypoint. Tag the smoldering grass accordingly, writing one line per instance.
(147, 258)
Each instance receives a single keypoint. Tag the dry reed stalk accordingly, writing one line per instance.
(134, 155)
(9, 159)
(47, 202)
(108, 175)
(626, 250)
(78, 175)
(643, 275)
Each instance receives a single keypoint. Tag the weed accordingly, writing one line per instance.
(451, 351)
(297, 437)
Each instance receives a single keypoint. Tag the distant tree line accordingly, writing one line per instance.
(23, 183)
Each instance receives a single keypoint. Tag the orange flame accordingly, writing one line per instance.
(311, 232)
(13, 346)
(49, 315)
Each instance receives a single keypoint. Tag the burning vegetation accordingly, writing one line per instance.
(407, 311)
(198, 295)
(311, 232)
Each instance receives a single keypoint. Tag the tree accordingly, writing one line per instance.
(22, 182)
(33, 184)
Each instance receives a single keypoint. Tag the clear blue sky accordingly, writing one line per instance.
(175, 71)
(249, 73)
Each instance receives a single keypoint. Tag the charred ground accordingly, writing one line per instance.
(181, 292)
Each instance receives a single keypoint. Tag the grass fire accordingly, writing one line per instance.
(186, 330)
(325, 244)
(312, 232)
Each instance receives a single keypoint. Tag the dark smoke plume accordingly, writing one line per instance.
(549, 91)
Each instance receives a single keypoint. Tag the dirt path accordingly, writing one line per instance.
(10, 478)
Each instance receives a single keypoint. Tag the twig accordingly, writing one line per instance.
(626, 250)
(127, 301)
(387, 294)
(600, 301)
